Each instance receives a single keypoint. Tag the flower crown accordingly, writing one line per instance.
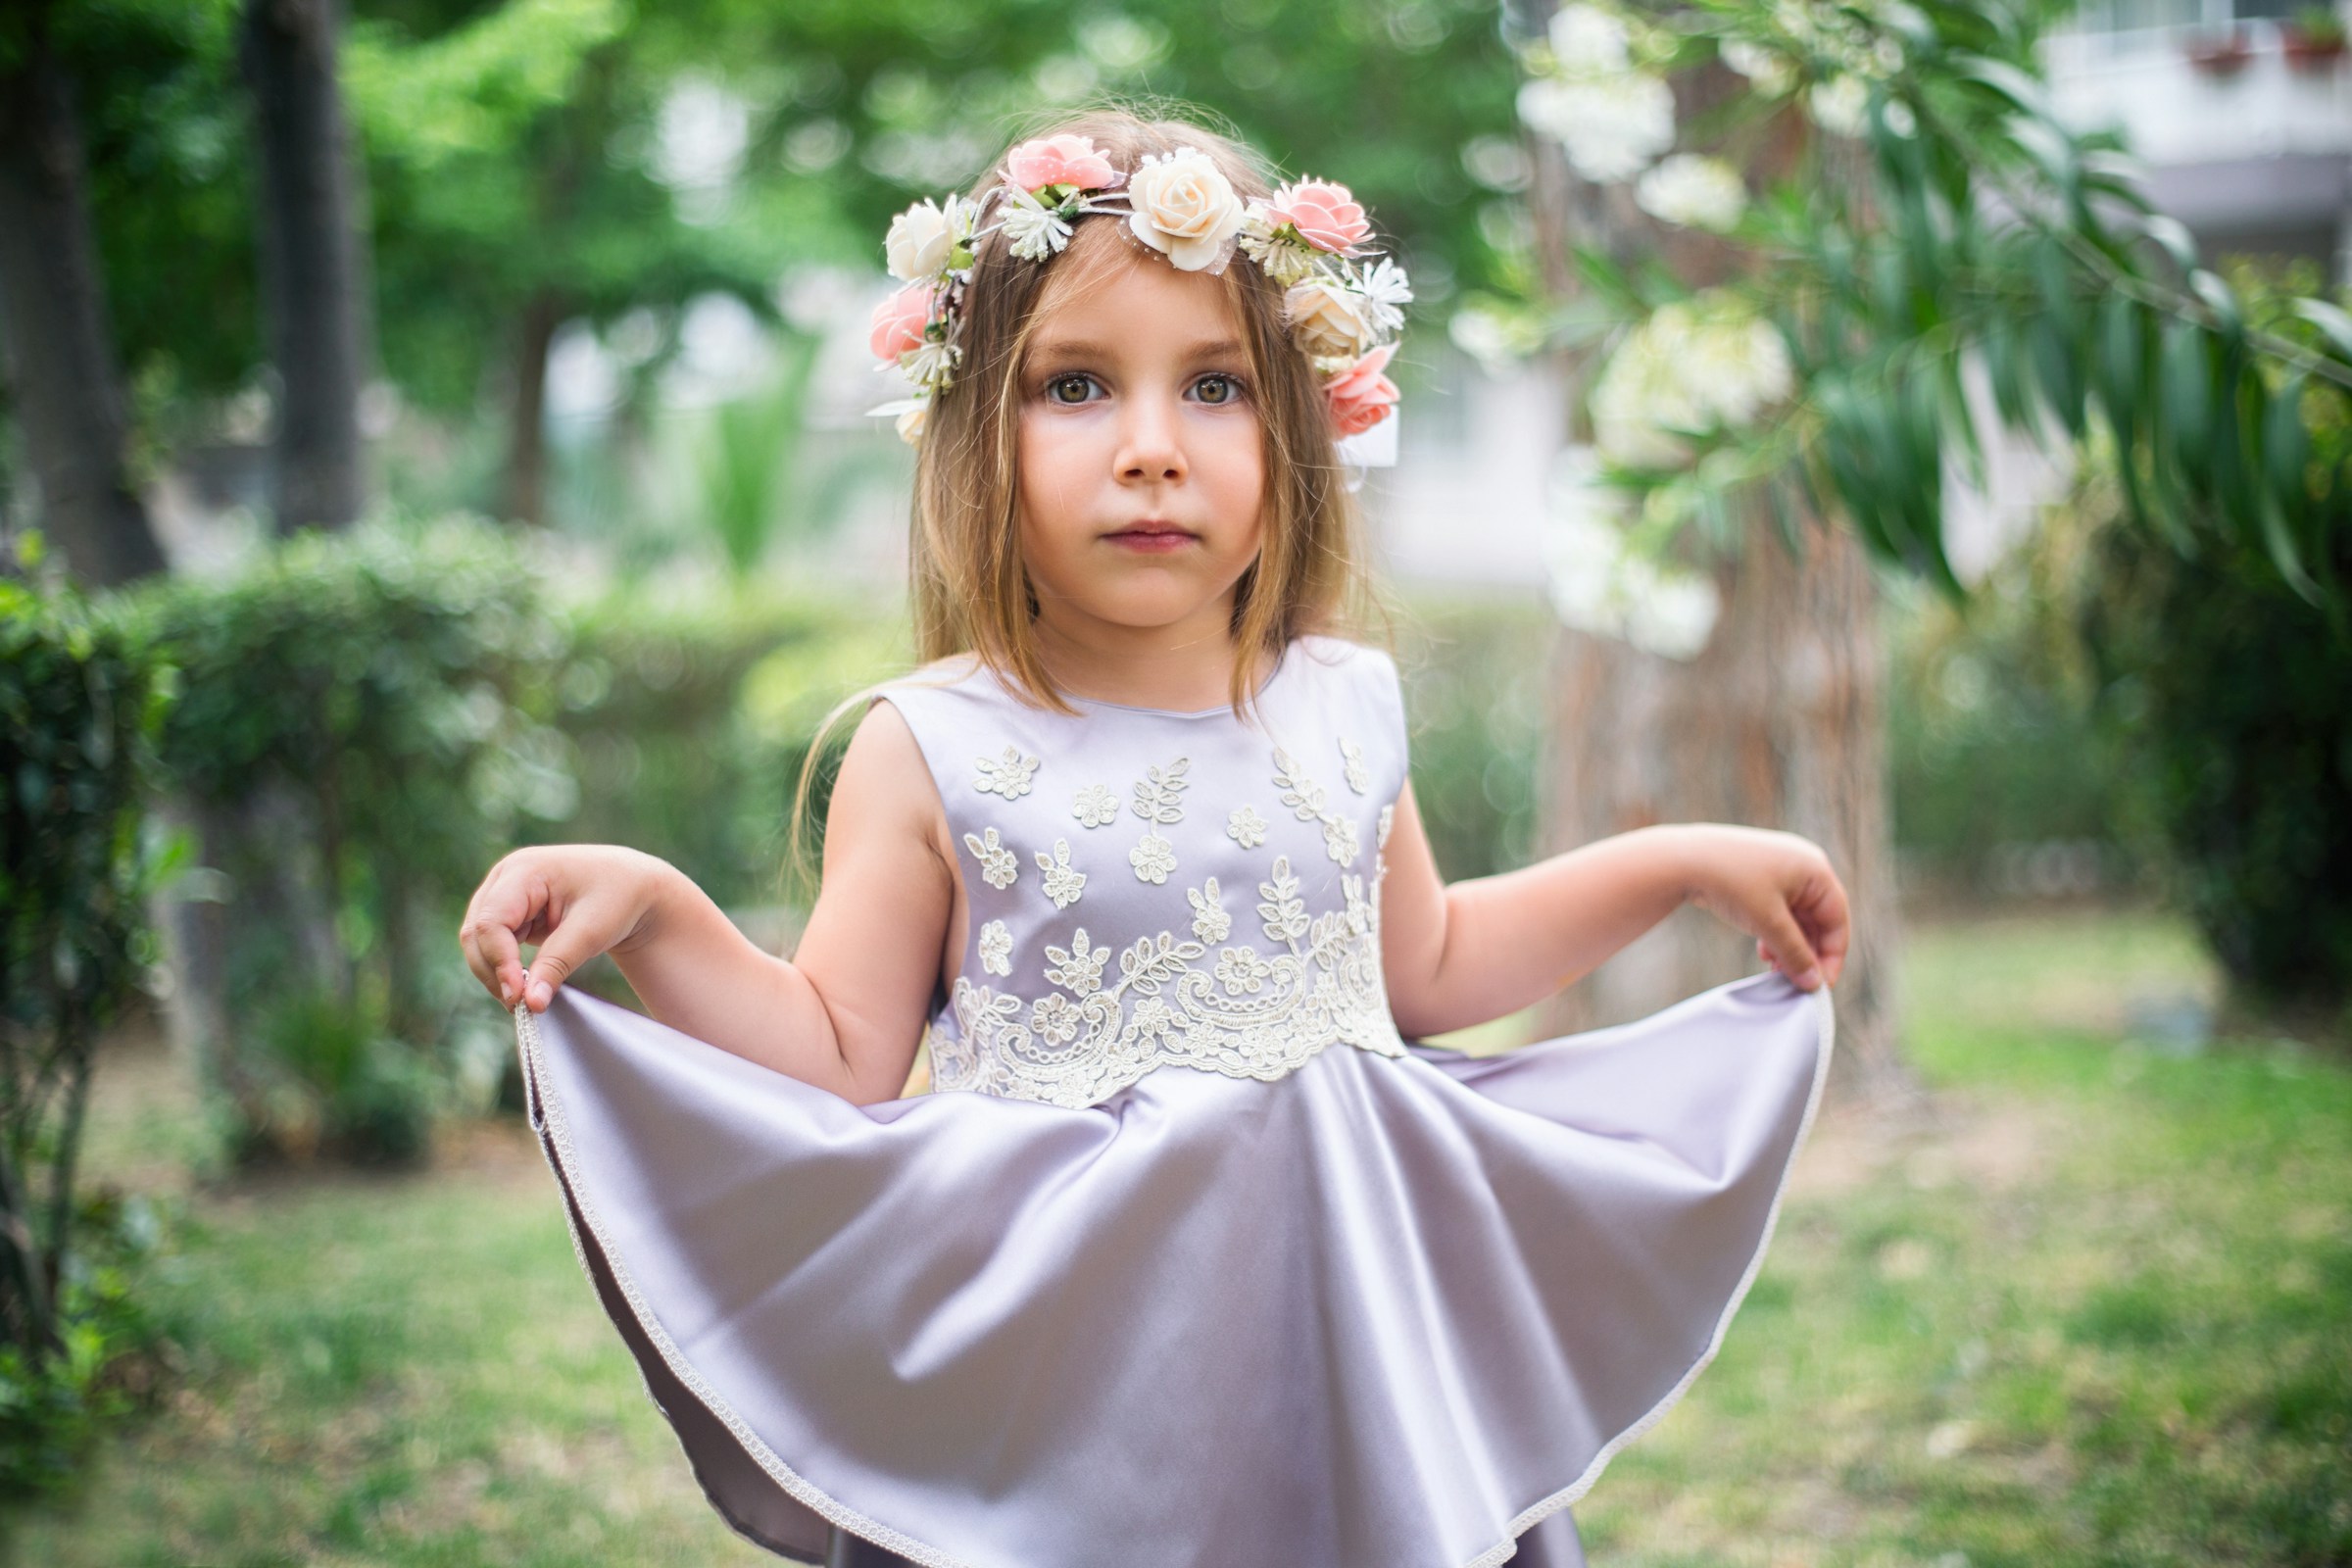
(1341, 303)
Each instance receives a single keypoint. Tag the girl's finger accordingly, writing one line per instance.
(1787, 940)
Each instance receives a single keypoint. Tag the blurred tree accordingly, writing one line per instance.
(53, 317)
(1873, 199)
(313, 231)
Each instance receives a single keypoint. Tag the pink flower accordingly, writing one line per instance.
(1065, 159)
(898, 323)
(1324, 213)
(1361, 396)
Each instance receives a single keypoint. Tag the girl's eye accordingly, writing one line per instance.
(1054, 386)
(1232, 392)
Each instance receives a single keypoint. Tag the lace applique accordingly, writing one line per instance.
(1063, 881)
(1078, 967)
(1352, 755)
(1007, 775)
(1245, 827)
(1387, 820)
(1246, 1014)
(999, 865)
(996, 947)
(1309, 801)
(1210, 922)
(1155, 793)
(1096, 807)
(1153, 858)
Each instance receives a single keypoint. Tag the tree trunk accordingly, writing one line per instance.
(1778, 722)
(53, 325)
(526, 452)
(313, 262)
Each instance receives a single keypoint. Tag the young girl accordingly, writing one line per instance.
(1212, 1263)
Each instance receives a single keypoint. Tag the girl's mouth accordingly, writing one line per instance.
(1151, 536)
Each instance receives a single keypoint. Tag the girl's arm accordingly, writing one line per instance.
(1463, 953)
(846, 1012)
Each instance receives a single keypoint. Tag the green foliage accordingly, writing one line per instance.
(2236, 709)
(80, 701)
(1995, 748)
(363, 729)
(1476, 695)
(1965, 225)
(690, 721)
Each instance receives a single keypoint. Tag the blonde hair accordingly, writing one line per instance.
(969, 588)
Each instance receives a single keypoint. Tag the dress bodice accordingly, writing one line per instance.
(1149, 888)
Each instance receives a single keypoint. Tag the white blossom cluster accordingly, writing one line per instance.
(1602, 586)
(1698, 365)
(1611, 117)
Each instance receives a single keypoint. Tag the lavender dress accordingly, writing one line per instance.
(1188, 1262)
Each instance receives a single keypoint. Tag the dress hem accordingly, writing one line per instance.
(547, 1119)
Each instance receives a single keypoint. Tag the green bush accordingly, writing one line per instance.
(363, 728)
(80, 701)
(2235, 698)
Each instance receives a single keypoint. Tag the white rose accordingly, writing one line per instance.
(1183, 205)
(1695, 193)
(910, 423)
(1326, 321)
(920, 241)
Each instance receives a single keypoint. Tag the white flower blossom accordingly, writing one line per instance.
(996, 947)
(920, 240)
(1698, 365)
(1181, 203)
(1771, 74)
(1284, 259)
(1840, 105)
(1600, 586)
(1032, 231)
(1245, 827)
(1588, 40)
(1694, 192)
(1612, 127)
(1385, 288)
(931, 362)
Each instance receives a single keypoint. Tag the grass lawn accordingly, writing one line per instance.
(2087, 1301)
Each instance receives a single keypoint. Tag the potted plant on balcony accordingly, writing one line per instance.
(2314, 38)
(2221, 54)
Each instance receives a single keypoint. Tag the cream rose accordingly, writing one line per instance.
(1183, 205)
(920, 241)
(1326, 321)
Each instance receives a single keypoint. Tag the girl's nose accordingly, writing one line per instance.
(1151, 445)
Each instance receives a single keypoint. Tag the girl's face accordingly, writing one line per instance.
(1141, 477)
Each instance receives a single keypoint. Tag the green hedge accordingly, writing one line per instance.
(80, 701)
(361, 728)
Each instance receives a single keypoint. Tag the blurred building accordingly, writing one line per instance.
(2246, 130)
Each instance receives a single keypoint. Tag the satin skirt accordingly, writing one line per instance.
(1383, 1313)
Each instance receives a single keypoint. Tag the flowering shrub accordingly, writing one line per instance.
(1926, 211)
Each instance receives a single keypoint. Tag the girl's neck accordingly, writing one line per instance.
(1162, 668)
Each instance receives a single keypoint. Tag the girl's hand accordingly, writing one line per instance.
(1780, 889)
(572, 900)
